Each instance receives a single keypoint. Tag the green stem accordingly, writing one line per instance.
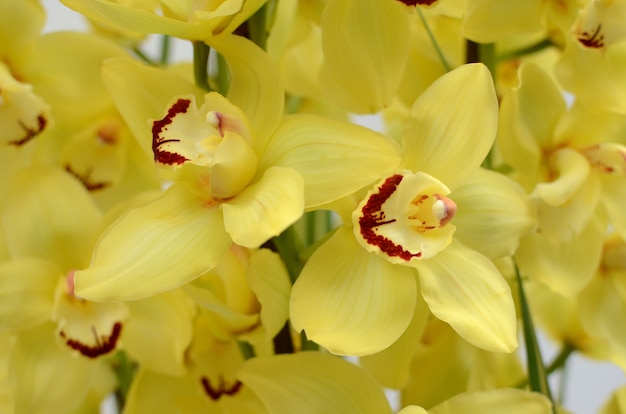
(538, 381)
(222, 80)
(434, 42)
(545, 43)
(201, 64)
(143, 56)
(124, 369)
(558, 363)
(166, 43)
(257, 27)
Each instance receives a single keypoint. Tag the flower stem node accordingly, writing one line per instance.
(406, 217)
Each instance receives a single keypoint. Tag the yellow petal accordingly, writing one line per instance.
(565, 267)
(362, 67)
(51, 216)
(465, 289)
(614, 199)
(255, 86)
(452, 125)
(140, 20)
(270, 282)
(616, 403)
(507, 400)
(26, 292)
(572, 169)
(493, 213)
(302, 380)
(488, 21)
(600, 24)
(37, 363)
(335, 158)
(266, 208)
(562, 222)
(154, 248)
(351, 301)
(159, 331)
(20, 23)
(391, 367)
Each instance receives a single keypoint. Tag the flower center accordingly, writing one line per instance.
(406, 217)
(215, 136)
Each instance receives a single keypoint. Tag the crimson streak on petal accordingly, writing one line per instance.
(159, 126)
(372, 216)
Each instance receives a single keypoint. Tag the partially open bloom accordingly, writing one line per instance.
(357, 293)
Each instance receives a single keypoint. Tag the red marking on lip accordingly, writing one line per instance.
(216, 393)
(30, 132)
(592, 40)
(166, 157)
(373, 217)
(416, 2)
(107, 345)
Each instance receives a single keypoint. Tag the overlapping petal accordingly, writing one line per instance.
(352, 301)
(458, 114)
(159, 331)
(335, 158)
(493, 213)
(491, 20)
(465, 289)
(301, 380)
(266, 208)
(510, 400)
(154, 248)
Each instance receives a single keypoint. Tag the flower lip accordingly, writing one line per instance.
(405, 218)
(104, 344)
(222, 389)
(159, 126)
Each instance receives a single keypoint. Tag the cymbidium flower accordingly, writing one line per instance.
(23, 114)
(566, 160)
(51, 224)
(239, 174)
(595, 53)
(192, 20)
(616, 403)
(357, 293)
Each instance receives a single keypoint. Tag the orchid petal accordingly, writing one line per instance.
(51, 216)
(362, 68)
(452, 125)
(493, 212)
(508, 400)
(335, 158)
(565, 267)
(266, 208)
(301, 380)
(351, 301)
(26, 292)
(159, 331)
(154, 248)
(465, 289)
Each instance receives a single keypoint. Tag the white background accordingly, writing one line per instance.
(588, 384)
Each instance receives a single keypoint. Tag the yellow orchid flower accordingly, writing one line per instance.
(51, 225)
(590, 66)
(23, 113)
(357, 292)
(192, 20)
(508, 400)
(237, 170)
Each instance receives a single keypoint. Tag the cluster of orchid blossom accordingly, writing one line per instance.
(220, 236)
